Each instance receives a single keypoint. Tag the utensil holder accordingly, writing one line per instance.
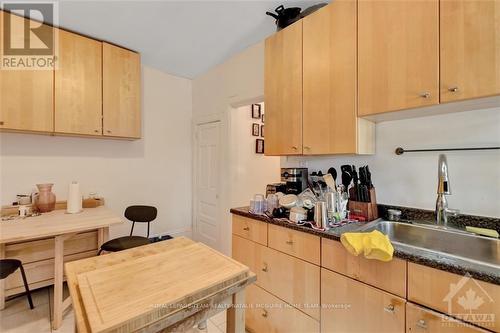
(368, 210)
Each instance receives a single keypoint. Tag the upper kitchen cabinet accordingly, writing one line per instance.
(26, 102)
(121, 92)
(283, 91)
(330, 123)
(398, 52)
(78, 85)
(470, 49)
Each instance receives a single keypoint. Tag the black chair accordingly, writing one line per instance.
(9, 266)
(134, 214)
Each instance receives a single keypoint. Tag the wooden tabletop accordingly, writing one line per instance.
(127, 290)
(57, 222)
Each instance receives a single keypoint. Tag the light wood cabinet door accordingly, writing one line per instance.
(351, 306)
(293, 280)
(457, 295)
(389, 276)
(78, 85)
(329, 110)
(295, 243)
(398, 52)
(121, 75)
(26, 96)
(421, 320)
(283, 91)
(470, 49)
(250, 229)
(267, 313)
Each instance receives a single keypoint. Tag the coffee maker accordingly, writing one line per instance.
(295, 179)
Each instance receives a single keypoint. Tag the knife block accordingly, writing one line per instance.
(368, 210)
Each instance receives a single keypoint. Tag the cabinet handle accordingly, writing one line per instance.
(264, 269)
(108, 131)
(289, 242)
(97, 131)
(264, 313)
(294, 147)
(422, 324)
(246, 228)
(1, 123)
(307, 147)
(425, 95)
(453, 89)
(389, 308)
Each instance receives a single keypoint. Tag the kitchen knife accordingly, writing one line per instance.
(355, 183)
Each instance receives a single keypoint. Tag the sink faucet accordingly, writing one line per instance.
(443, 190)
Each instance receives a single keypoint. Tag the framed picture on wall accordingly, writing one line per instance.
(255, 129)
(262, 130)
(259, 146)
(256, 111)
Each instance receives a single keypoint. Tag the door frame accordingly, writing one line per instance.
(225, 172)
(198, 121)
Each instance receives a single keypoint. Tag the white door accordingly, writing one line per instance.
(207, 184)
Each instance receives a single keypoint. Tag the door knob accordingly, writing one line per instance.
(264, 313)
(264, 269)
(108, 131)
(425, 94)
(96, 131)
(294, 147)
(453, 89)
(422, 324)
(246, 228)
(389, 308)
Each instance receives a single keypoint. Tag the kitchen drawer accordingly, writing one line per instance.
(352, 306)
(250, 229)
(389, 276)
(420, 320)
(295, 281)
(248, 253)
(267, 313)
(39, 271)
(295, 243)
(449, 293)
(42, 249)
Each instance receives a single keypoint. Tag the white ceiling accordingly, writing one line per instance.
(183, 38)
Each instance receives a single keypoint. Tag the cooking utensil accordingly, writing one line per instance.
(285, 16)
(330, 182)
(332, 171)
(320, 215)
(346, 179)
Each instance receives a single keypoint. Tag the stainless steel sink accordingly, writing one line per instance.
(456, 243)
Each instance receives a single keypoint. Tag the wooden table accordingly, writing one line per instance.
(61, 226)
(162, 287)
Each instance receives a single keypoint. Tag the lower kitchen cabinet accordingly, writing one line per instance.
(351, 306)
(419, 319)
(266, 313)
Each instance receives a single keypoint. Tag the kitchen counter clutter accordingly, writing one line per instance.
(315, 281)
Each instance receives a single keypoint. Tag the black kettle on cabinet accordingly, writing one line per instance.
(285, 16)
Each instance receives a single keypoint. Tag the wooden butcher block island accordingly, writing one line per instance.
(165, 286)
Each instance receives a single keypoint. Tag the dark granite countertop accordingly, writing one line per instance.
(420, 256)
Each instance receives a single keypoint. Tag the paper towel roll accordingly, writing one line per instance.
(74, 204)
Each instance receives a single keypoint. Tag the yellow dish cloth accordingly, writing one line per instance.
(374, 245)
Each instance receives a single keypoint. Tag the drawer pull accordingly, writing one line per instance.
(1, 123)
(246, 228)
(289, 242)
(425, 95)
(422, 324)
(264, 313)
(264, 269)
(389, 308)
(453, 89)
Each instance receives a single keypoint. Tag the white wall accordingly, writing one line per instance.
(411, 179)
(237, 82)
(155, 170)
(250, 172)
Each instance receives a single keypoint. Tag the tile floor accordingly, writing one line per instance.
(18, 318)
